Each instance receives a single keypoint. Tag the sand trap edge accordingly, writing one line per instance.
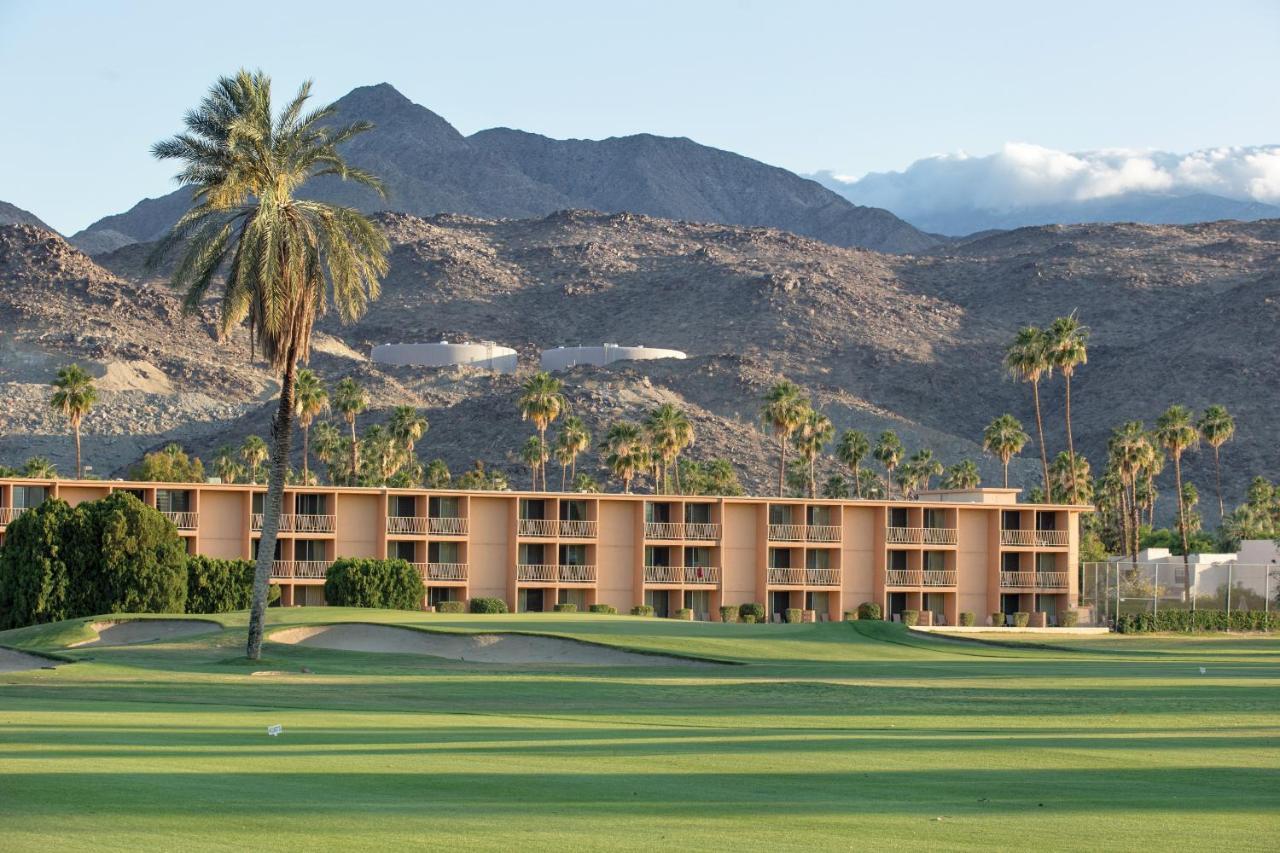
(96, 626)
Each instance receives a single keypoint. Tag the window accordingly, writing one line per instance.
(935, 518)
(534, 510)
(402, 506)
(1011, 519)
(173, 500)
(573, 510)
(443, 552)
(779, 558)
(657, 513)
(404, 551)
(898, 516)
(309, 549)
(437, 594)
(697, 557)
(1046, 520)
(779, 514)
(817, 558)
(898, 561)
(257, 542)
(1010, 562)
(308, 504)
(935, 561)
(25, 497)
(573, 555)
(1046, 563)
(657, 555)
(697, 513)
(258, 499)
(532, 554)
(819, 515)
(448, 508)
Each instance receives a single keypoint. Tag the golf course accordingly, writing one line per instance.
(569, 731)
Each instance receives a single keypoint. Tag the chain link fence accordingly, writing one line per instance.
(1113, 589)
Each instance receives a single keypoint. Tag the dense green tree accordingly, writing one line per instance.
(34, 576)
(168, 465)
(437, 475)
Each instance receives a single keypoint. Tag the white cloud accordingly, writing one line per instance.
(1022, 175)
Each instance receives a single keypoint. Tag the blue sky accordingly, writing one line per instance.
(853, 87)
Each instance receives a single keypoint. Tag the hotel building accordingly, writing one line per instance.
(976, 550)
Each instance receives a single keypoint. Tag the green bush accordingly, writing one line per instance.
(603, 608)
(851, 616)
(1021, 620)
(221, 586)
(728, 613)
(910, 618)
(1188, 621)
(34, 576)
(450, 607)
(685, 613)
(751, 608)
(968, 619)
(359, 582)
(642, 610)
(749, 619)
(1069, 618)
(565, 607)
(793, 615)
(868, 610)
(997, 620)
(488, 605)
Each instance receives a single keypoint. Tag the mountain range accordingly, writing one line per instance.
(429, 168)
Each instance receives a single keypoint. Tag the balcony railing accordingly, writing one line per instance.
(1034, 538)
(542, 573)
(663, 530)
(307, 569)
(786, 532)
(578, 529)
(702, 574)
(904, 577)
(406, 524)
(804, 577)
(442, 571)
(1034, 580)
(290, 523)
(938, 577)
(663, 574)
(920, 535)
(538, 527)
(577, 574)
(822, 533)
(701, 530)
(9, 513)
(447, 525)
(184, 520)
(1051, 580)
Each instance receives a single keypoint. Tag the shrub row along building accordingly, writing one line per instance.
(952, 551)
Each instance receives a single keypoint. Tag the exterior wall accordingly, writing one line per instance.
(485, 354)
(953, 552)
(561, 358)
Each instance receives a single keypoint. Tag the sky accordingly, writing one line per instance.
(852, 87)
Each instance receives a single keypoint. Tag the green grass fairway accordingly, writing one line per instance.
(829, 736)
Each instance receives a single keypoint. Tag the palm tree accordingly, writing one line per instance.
(870, 486)
(1027, 360)
(962, 475)
(1131, 454)
(626, 452)
(437, 475)
(1069, 348)
(1217, 428)
(670, 432)
(815, 433)
(541, 401)
(564, 455)
(310, 399)
(73, 397)
(350, 400)
(280, 260)
(39, 468)
(407, 427)
(888, 451)
(785, 407)
(1071, 479)
(254, 452)
(1004, 438)
(578, 438)
(329, 448)
(1176, 433)
(225, 464)
(852, 449)
(924, 467)
(534, 454)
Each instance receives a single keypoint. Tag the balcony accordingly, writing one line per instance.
(9, 513)
(786, 533)
(904, 577)
(442, 571)
(694, 575)
(447, 525)
(1033, 580)
(822, 533)
(701, 530)
(540, 527)
(544, 573)
(406, 525)
(304, 569)
(804, 577)
(663, 574)
(938, 577)
(699, 575)
(1034, 538)
(663, 530)
(291, 523)
(578, 529)
(183, 520)
(577, 574)
(920, 536)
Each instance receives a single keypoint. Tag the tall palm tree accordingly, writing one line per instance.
(39, 468)
(1132, 454)
(564, 455)
(1004, 438)
(310, 399)
(279, 259)
(852, 449)
(407, 426)
(225, 464)
(962, 475)
(670, 432)
(328, 448)
(626, 452)
(815, 433)
(1217, 427)
(924, 467)
(350, 400)
(1069, 348)
(534, 454)
(1027, 360)
(888, 452)
(541, 401)
(576, 438)
(1071, 479)
(1175, 431)
(437, 475)
(73, 396)
(785, 408)
(254, 452)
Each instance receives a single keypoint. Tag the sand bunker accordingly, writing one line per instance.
(146, 631)
(11, 661)
(472, 648)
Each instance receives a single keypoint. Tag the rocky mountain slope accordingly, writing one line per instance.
(11, 214)
(913, 343)
(429, 168)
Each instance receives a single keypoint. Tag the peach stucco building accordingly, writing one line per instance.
(951, 551)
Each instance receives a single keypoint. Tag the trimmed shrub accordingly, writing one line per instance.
(34, 576)
(910, 618)
(851, 616)
(793, 615)
(685, 613)
(997, 620)
(642, 610)
(450, 607)
(603, 608)
(751, 608)
(1020, 619)
(868, 610)
(488, 605)
(1188, 621)
(728, 613)
(1069, 618)
(221, 586)
(390, 584)
(749, 618)
(565, 607)
(968, 619)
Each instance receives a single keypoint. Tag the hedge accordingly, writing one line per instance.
(997, 620)
(450, 607)
(910, 618)
(603, 608)
(1069, 618)
(361, 582)
(851, 616)
(968, 619)
(749, 619)
(642, 610)
(868, 610)
(728, 613)
(751, 608)
(685, 613)
(565, 607)
(1021, 619)
(488, 605)
(1189, 621)
(221, 586)
(793, 615)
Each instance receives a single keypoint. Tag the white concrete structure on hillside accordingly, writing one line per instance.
(562, 358)
(486, 355)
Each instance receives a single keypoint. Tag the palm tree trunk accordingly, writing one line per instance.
(857, 481)
(355, 451)
(79, 467)
(813, 483)
(1137, 522)
(676, 465)
(1217, 473)
(782, 464)
(1006, 473)
(1071, 447)
(1044, 456)
(306, 444)
(542, 464)
(1182, 529)
(281, 434)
